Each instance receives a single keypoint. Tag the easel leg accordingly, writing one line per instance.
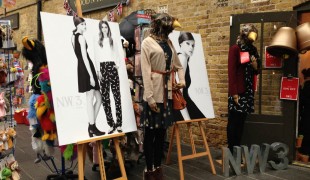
(120, 158)
(170, 144)
(81, 160)
(177, 133)
(82, 154)
(207, 147)
(101, 160)
(190, 132)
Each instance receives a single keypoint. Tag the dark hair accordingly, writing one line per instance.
(77, 20)
(185, 36)
(101, 33)
(306, 72)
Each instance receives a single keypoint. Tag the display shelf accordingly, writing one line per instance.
(9, 48)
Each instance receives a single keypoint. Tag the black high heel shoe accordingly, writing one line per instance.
(119, 129)
(112, 129)
(92, 130)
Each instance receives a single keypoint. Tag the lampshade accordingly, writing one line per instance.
(283, 43)
(303, 37)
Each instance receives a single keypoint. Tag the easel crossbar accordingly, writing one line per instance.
(110, 136)
(192, 121)
(191, 156)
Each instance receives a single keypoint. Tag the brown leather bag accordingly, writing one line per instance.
(178, 100)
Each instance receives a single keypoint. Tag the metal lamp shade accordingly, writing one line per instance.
(283, 43)
(303, 37)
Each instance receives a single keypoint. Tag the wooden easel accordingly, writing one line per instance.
(82, 144)
(82, 153)
(194, 154)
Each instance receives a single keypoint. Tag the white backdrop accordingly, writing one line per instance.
(69, 104)
(199, 90)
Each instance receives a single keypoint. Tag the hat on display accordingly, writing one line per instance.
(283, 43)
(303, 37)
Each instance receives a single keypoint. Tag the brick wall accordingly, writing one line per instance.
(210, 19)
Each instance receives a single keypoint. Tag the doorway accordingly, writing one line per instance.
(302, 150)
(274, 119)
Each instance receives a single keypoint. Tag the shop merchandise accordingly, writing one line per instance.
(17, 76)
(3, 106)
(8, 164)
(11, 73)
(7, 35)
(42, 117)
(12, 83)
(9, 168)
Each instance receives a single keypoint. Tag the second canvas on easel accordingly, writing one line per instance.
(197, 91)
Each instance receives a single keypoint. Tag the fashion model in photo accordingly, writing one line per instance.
(87, 79)
(108, 62)
(158, 60)
(187, 46)
(241, 75)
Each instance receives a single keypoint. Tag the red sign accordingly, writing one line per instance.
(244, 57)
(289, 88)
(272, 61)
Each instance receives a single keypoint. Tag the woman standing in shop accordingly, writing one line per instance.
(187, 46)
(158, 60)
(242, 68)
(304, 101)
(108, 62)
(87, 79)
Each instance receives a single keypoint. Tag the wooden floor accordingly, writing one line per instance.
(196, 169)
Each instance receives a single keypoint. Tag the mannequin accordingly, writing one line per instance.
(241, 76)
(158, 60)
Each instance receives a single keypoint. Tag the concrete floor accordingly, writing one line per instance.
(195, 169)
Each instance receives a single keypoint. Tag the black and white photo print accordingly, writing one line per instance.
(91, 92)
(197, 91)
(108, 62)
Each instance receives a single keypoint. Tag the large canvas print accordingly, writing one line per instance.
(197, 91)
(89, 81)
